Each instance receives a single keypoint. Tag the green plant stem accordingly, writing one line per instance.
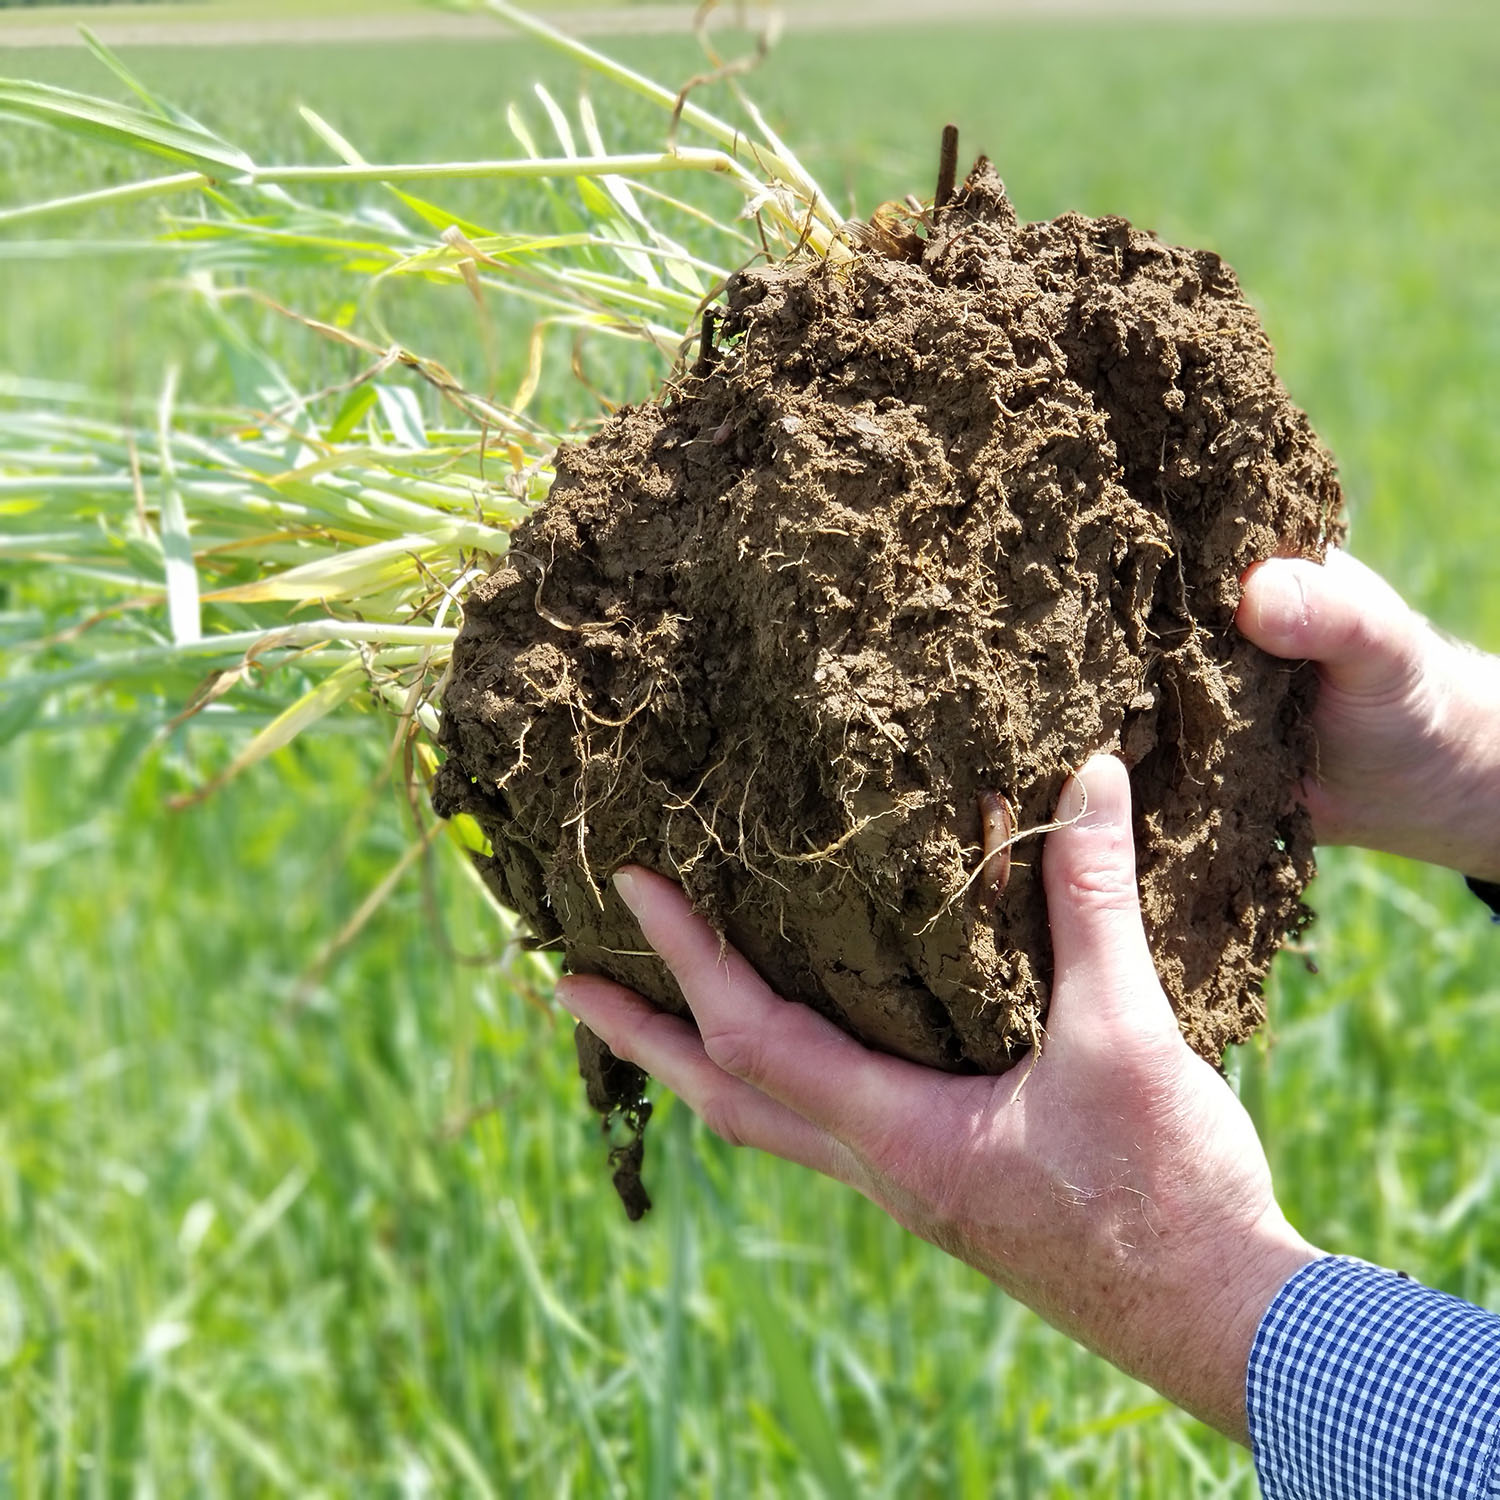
(114, 197)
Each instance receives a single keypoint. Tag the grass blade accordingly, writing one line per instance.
(801, 1405)
(96, 119)
(320, 701)
(177, 545)
(555, 1321)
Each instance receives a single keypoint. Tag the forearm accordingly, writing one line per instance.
(1182, 1317)
(1165, 1275)
(1196, 1339)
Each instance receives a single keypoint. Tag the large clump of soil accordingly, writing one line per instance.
(927, 533)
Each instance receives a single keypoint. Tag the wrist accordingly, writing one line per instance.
(1194, 1335)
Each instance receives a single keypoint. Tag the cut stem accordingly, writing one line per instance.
(947, 180)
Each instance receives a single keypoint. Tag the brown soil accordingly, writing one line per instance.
(925, 532)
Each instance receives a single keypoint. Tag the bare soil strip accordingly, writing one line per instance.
(829, 15)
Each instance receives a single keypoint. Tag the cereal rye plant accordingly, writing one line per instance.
(305, 552)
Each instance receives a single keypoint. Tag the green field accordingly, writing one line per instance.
(268, 1226)
(19, 17)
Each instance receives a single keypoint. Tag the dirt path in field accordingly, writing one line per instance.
(822, 15)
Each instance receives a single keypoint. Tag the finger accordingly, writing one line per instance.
(670, 1050)
(1339, 614)
(1103, 974)
(780, 1047)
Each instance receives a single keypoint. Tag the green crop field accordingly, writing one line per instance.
(279, 1216)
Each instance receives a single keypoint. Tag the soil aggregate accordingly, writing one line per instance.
(813, 633)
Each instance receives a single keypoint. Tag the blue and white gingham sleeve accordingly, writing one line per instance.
(1364, 1385)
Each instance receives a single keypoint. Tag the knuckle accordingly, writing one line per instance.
(1104, 887)
(722, 1116)
(1377, 638)
(1133, 1031)
(638, 1039)
(643, 1037)
(1389, 639)
(739, 1052)
(1355, 630)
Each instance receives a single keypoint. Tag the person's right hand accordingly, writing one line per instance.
(1407, 721)
(1111, 1181)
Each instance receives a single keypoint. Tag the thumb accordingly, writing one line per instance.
(1103, 975)
(1339, 614)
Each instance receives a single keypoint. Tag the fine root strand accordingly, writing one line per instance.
(987, 854)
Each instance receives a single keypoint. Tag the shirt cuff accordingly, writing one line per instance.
(1364, 1385)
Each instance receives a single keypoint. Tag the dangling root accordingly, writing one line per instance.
(616, 1087)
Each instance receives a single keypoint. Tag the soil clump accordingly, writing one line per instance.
(815, 631)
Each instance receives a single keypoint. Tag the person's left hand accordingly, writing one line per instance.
(1114, 1183)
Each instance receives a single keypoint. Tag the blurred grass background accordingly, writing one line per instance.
(265, 1229)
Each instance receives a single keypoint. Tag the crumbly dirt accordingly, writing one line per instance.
(927, 530)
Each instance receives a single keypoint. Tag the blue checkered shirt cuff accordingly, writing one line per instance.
(1364, 1385)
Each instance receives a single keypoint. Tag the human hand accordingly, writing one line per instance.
(1114, 1183)
(1407, 721)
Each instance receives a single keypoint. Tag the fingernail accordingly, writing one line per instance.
(628, 886)
(1072, 802)
(1280, 602)
(1097, 796)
